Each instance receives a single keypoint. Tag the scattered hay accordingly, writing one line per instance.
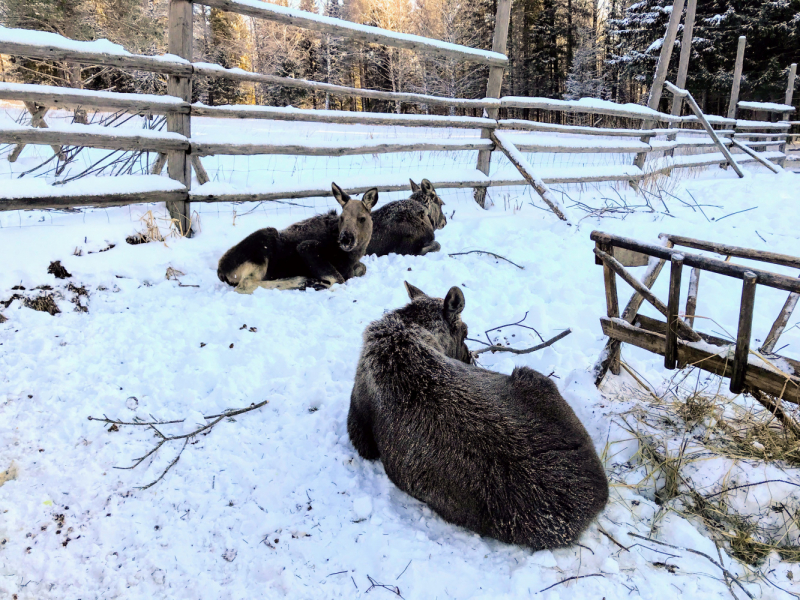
(9, 474)
(57, 270)
(78, 292)
(3, 318)
(173, 274)
(153, 226)
(44, 303)
(696, 408)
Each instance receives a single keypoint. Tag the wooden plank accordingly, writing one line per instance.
(747, 150)
(657, 326)
(737, 78)
(773, 280)
(373, 146)
(178, 161)
(519, 161)
(199, 170)
(759, 377)
(556, 148)
(69, 98)
(74, 137)
(736, 251)
(66, 52)
(356, 31)
(158, 166)
(742, 352)
(699, 114)
(62, 202)
(614, 265)
(686, 52)
(671, 349)
(339, 117)
(217, 72)
(691, 299)
(788, 101)
(494, 87)
(612, 298)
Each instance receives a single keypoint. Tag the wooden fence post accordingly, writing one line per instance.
(179, 165)
(737, 78)
(661, 71)
(683, 65)
(671, 351)
(493, 87)
(742, 351)
(787, 115)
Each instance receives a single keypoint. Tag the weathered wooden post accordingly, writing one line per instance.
(737, 78)
(742, 351)
(661, 71)
(683, 64)
(493, 87)
(671, 351)
(787, 115)
(179, 165)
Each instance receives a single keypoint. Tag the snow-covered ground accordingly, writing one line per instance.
(277, 503)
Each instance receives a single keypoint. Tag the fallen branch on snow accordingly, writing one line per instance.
(486, 252)
(549, 342)
(163, 439)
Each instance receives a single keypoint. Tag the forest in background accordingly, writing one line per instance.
(557, 49)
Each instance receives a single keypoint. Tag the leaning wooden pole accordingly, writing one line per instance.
(661, 71)
(683, 64)
(493, 87)
(737, 78)
(179, 164)
(706, 125)
(523, 166)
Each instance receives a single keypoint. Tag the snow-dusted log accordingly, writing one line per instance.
(767, 107)
(71, 98)
(338, 116)
(757, 156)
(525, 169)
(356, 31)
(28, 194)
(590, 106)
(93, 136)
(368, 146)
(710, 130)
(217, 72)
(51, 46)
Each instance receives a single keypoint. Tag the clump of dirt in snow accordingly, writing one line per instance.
(76, 299)
(44, 303)
(56, 269)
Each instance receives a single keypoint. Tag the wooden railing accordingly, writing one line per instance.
(181, 153)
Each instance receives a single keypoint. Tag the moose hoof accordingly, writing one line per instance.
(247, 286)
(359, 270)
(434, 247)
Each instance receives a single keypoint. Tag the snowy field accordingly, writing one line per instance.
(276, 503)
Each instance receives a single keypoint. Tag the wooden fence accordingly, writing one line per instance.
(510, 136)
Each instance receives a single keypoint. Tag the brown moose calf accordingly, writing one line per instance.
(504, 456)
(408, 226)
(319, 251)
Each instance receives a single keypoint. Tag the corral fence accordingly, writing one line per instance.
(652, 137)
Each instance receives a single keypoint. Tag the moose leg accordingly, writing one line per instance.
(359, 427)
(359, 270)
(432, 247)
(319, 266)
(290, 283)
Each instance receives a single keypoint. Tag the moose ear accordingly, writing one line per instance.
(341, 197)
(453, 304)
(413, 292)
(427, 186)
(370, 198)
(414, 186)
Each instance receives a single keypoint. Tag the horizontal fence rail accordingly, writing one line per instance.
(355, 31)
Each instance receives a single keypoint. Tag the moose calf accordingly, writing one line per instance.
(324, 250)
(504, 456)
(407, 226)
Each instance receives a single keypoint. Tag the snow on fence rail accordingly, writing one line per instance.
(184, 151)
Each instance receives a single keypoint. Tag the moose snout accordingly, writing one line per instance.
(347, 241)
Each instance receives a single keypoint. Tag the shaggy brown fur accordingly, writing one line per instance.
(407, 226)
(323, 248)
(504, 456)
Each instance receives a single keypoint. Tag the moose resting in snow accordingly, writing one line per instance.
(319, 251)
(408, 226)
(504, 456)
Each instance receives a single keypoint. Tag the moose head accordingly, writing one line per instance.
(442, 319)
(426, 195)
(355, 222)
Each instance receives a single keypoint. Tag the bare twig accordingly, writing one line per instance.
(777, 411)
(570, 579)
(486, 252)
(517, 324)
(392, 588)
(747, 485)
(703, 554)
(549, 342)
(163, 439)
